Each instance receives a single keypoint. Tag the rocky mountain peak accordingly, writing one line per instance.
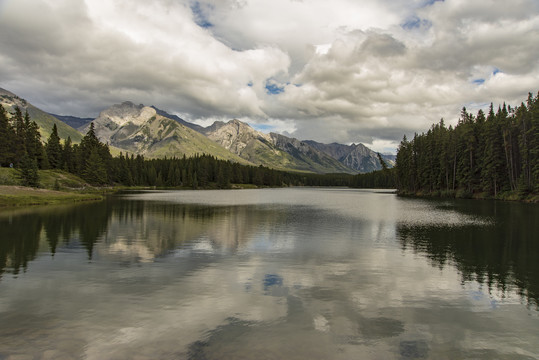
(127, 112)
(120, 118)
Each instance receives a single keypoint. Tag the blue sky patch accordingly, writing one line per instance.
(415, 22)
(200, 17)
(430, 2)
(273, 88)
(265, 128)
(478, 81)
(496, 71)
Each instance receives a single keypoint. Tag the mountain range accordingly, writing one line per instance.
(154, 133)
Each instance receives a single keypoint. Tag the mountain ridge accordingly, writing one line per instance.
(356, 156)
(271, 150)
(152, 132)
(140, 129)
(45, 120)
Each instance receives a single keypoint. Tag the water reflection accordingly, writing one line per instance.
(18, 248)
(23, 231)
(294, 276)
(503, 256)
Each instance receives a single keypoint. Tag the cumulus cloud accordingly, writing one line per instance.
(145, 52)
(349, 71)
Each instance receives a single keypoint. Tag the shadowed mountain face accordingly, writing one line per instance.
(357, 157)
(141, 130)
(271, 150)
(305, 153)
(45, 121)
(74, 121)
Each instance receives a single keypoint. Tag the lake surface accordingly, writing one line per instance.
(270, 274)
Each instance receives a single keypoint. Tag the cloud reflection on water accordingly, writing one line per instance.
(292, 277)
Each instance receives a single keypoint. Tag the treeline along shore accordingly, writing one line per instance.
(91, 160)
(493, 155)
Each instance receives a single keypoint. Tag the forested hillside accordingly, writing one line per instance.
(21, 147)
(483, 155)
(493, 155)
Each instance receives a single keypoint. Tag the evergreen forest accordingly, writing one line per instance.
(486, 155)
(21, 147)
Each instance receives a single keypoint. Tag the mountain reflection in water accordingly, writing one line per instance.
(286, 273)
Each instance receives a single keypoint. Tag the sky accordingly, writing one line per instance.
(348, 71)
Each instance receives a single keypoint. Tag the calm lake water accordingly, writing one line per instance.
(270, 274)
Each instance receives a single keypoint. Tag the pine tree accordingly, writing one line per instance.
(95, 172)
(533, 110)
(492, 173)
(88, 144)
(19, 143)
(34, 147)
(54, 149)
(28, 171)
(223, 175)
(68, 157)
(195, 181)
(7, 136)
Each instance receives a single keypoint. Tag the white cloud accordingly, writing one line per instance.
(351, 71)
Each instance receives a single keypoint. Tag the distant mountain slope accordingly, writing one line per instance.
(355, 156)
(314, 159)
(74, 121)
(271, 150)
(43, 119)
(155, 133)
(195, 127)
(141, 130)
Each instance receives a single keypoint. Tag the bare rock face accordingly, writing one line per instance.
(356, 156)
(237, 136)
(271, 150)
(362, 159)
(142, 130)
(120, 118)
(305, 153)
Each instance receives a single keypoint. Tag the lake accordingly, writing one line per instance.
(296, 273)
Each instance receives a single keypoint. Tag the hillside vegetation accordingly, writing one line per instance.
(44, 120)
(55, 187)
(493, 155)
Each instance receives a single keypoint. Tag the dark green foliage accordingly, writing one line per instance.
(28, 171)
(92, 161)
(7, 138)
(19, 141)
(19, 137)
(34, 148)
(54, 149)
(68, 156)
(95, 171)
(481, 155)
(380, 179)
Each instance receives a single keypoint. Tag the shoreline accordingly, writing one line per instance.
(17, 196)
(505, 196)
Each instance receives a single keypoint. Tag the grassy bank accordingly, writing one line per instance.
(55, 187)
(23, 196)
